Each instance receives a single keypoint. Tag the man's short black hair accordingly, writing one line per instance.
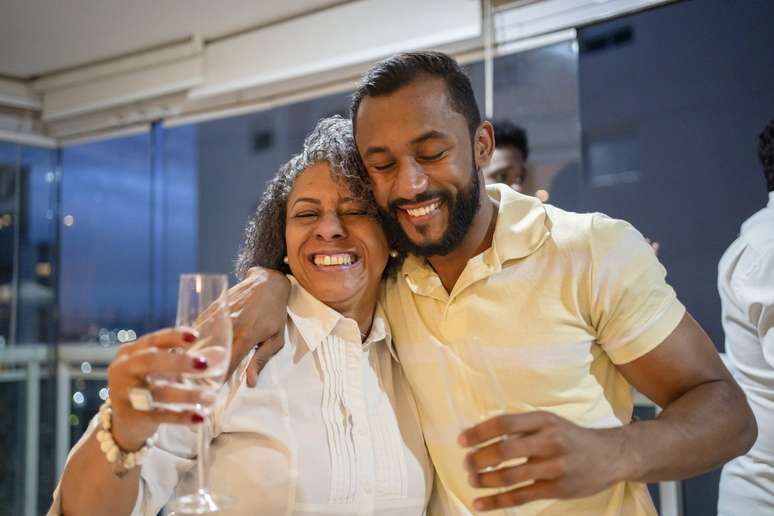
(395, 72)
(507, 133)
(766, 154)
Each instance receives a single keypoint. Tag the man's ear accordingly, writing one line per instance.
(484, 143)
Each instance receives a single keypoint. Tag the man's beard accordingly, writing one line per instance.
(462, 210)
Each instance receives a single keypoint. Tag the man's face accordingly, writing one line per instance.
(420, 158)
(507, 166)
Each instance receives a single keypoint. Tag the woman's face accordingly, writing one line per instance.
(336, 247)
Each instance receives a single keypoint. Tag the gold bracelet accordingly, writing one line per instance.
(122, 460)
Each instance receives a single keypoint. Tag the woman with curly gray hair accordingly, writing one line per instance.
(331, 426)
(331, 142)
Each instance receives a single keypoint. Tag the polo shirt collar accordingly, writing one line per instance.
(522, 224)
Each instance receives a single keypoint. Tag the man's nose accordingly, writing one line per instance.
(330, 227)
(411, 181)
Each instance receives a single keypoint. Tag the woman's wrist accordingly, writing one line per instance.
(121, 458)
(130, 442)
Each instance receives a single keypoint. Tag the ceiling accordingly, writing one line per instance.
(41, 36)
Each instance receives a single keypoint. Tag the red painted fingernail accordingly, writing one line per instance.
(196, 418)
(200, 363)
(189, 337)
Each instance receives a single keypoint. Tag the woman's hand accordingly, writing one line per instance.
(154, 357)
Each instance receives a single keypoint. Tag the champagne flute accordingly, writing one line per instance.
(203, 306)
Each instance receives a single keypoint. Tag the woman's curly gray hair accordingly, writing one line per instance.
(330, 142)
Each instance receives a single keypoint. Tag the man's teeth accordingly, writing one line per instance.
(333, 259)
(424, 210)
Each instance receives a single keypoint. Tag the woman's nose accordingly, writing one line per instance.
(330, 227)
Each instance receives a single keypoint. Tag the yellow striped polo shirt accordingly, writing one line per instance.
(548, 310)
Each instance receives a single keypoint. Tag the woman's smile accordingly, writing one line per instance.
(334, 261)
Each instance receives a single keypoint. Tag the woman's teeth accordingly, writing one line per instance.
(334, 259)
(424, 210)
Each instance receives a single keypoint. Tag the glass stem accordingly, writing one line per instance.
(202, 450)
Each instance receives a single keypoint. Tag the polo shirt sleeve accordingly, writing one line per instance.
(633, 309)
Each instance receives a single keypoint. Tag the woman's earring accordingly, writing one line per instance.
(393, 254)
(285, 260)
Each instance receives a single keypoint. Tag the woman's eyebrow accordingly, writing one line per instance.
(306, 199)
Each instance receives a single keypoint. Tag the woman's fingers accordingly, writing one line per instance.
(156, 363)
(180, 394)
(130, 431)
(187, 417)
(168, 338)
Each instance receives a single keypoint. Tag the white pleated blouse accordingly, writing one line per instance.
(331, 428)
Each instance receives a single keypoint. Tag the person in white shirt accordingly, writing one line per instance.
(746, 287)
(331, 426)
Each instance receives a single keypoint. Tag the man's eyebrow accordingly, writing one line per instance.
(429, 135)
(306, 199)
(370, 151)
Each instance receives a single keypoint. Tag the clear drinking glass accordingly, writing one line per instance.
(203, 306)
(472, 390)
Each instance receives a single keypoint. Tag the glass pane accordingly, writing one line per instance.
(670, 140)
(37, 235)
(106, 250)
(12, 398)
(47, 474)
(11, 378)
(178, 212)
(537, 90)
(27, 245)
(9, 167)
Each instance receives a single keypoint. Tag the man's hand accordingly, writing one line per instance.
(263, 354)
(258, 311)
(654, 245)
(563, 460)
